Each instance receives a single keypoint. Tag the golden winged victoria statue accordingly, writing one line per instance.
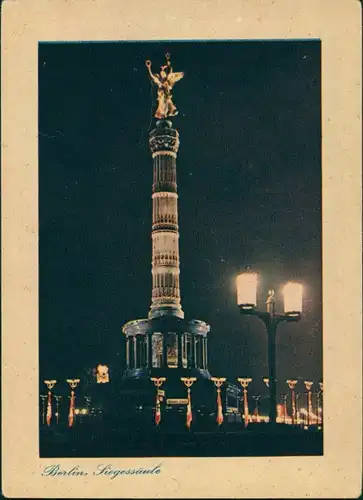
(165, 81)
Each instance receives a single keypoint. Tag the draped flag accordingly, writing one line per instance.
(245, 407)
(71, 410)
(219, 408)
(158, 411)
(49, 408)
(189, 411)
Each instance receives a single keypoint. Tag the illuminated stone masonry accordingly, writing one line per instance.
(165, 340)
(164, 145)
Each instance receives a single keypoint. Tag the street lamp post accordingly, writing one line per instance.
(218, 382)
(284, 406)
(321, 401)
(256, 410)
(43, 397)
(292, 384)
(308, 385)
(305, 411)
(318, 408)
(73, 382)
(188, 382)
(158, 382)
(297, 401)
(247, 300)
(244, 383)
(57, 401)
(88, 400)
(50, 384)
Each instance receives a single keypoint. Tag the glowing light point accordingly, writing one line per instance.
(102, 374)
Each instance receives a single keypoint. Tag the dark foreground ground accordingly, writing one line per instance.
(255, 441)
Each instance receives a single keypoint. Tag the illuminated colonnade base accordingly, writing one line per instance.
(155, 346)
(172, 348)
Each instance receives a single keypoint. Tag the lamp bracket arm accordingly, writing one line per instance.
(286, 317)
(265, 317)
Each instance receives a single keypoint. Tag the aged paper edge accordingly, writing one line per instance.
(337, 24)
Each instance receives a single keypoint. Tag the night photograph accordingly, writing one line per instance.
(180, 255)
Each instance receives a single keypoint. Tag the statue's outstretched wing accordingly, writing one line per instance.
(174, 77)
(156, 79)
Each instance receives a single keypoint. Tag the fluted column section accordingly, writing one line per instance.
(127, 352)
(165, 299)
(135, 350)
(193, 360)
(149, 350)
(180, 350)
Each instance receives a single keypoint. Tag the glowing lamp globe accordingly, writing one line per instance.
(247, 290)
(293, 293)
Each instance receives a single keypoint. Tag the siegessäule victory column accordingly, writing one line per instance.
(165, 349)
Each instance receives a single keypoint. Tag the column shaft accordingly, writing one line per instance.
(144, 352)
(193, 350)
(206, 352)
(203, 354)
(127, 352)
(164, 145)
(149, 350)
(180, 349)
(135, 351)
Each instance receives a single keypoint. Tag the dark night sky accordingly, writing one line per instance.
(249, 182)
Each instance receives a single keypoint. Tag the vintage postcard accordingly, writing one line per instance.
(181, 291)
